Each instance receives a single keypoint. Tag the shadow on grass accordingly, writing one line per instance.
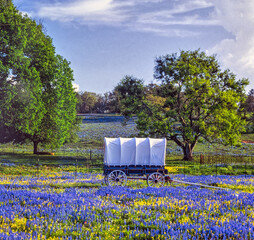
(31, 159)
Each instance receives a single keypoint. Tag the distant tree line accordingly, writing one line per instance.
(89, 102)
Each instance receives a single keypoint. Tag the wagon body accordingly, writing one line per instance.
(134, 156)
(134, 152)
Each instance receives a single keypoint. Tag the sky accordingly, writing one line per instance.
(106, 40)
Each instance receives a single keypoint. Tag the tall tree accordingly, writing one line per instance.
(60, 115)
(30, 78)
(21, 103)
(195, 99)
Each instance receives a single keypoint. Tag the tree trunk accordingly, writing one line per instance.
(187, 151)
(36, 143)
(187, 147)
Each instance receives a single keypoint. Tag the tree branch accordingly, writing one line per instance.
(151, 112)
(174, 138)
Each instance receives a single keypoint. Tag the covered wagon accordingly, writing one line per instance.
(134, 157)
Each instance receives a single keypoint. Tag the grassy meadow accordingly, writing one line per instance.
(65, 197)
(87, 153)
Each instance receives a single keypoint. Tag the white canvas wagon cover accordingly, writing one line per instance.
(134, 151)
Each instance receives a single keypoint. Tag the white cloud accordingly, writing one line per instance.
(184, 6)
(76, 8)
(173, 32)
(236, 54)
(181, 14)
(165, 18)
(181, 18)
(132, 15)
(84, 11)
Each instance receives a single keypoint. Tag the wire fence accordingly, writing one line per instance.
(92, 161)
(212, 164)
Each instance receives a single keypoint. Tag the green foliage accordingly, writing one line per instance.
(88, 101)
(195, 99)
(20, 86)
(131, 95)
(37, 101)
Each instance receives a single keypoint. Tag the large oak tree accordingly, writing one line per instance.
(194, 98)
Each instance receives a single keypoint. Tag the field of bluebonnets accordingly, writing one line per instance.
(57, 205)
(70, 202)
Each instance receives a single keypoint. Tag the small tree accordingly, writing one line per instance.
(195, 99)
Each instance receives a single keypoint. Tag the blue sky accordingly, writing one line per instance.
(107, 39)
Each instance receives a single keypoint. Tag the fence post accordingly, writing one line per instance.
(38, 167)
(202, 161)
(76, 171)
(245, 169)
(90, 154)
(183, 168)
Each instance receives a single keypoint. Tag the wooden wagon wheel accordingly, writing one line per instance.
(116, 178)
(155, 179)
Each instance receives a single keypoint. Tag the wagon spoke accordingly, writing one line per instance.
(117, 178)
(155, 179)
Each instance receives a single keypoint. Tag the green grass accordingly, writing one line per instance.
(91, 138)
(239, 169)
(29, 164)
(87, 154)
(213, 165)
(175, 166)
(75, 185)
